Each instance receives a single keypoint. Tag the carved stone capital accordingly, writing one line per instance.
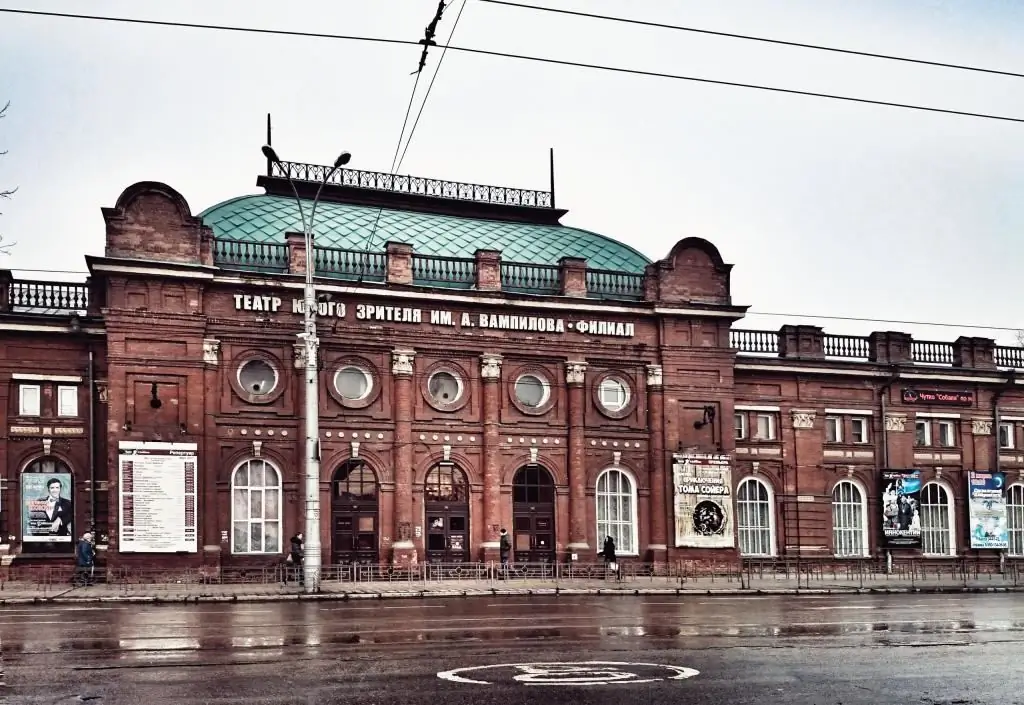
(654, 375)
(211, 351)
(895, 422)
(803, 418)
(490, 367)
(402, 362)
(575, 372)
(981, 427)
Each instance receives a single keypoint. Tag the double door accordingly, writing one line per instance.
(447, 534)
(354, 534)
(533, 533)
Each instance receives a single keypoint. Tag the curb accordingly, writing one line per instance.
(498, 592)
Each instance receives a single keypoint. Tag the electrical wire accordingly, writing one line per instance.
(766, 40)
(426, 95)
(536, 59)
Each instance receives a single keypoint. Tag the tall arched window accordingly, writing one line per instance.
(616, 510)
(937, 535)
(446, 483)
(1015, 519)
(849, 520)
(755, 518)
(256, 508)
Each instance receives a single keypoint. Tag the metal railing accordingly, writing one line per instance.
(449, 272)
(522, 277)
(30, 296)
(251, 256)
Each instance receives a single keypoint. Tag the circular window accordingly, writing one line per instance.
(613, 394)
(444, 388)
(353, 383)
(532, 391)
(257, 377)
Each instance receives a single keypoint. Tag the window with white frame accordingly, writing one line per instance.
(616, 510)
(859, 430)
(740, 426)
(936, 521)
(922, 432)
(1006, 435)
(755, 518)
(29, 397)
(849, 520)
(256, 508)
(833, 429)
(67, 401)
(1015, 519)
(765, 427)
(945, 434)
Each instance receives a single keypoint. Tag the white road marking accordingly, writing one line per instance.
(382, 608)
(541, 604)
(578, 673)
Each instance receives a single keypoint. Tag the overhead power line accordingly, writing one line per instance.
(766, 40)
(523, 57)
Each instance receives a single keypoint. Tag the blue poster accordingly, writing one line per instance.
(987, 510)
(47, 511)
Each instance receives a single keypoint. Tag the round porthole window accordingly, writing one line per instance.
(444, 388)
(353, 383)
(614, 394)
(532, 391)
(257, 377)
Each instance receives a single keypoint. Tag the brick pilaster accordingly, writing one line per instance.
(658, 548)
(575, 374)
(402, 365)
(490, 374)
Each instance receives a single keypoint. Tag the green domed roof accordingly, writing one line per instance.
(266, 218)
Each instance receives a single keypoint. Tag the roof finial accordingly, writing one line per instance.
(269, 142)
(551, 166)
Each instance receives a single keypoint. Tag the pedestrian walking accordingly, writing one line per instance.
(293, 563)
(611, 564)
(85, 560)
(504, 549)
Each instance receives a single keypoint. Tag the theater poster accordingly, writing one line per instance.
(900, 492)
(157, 484)
(703, 501)
(48, 511)
(986, 506)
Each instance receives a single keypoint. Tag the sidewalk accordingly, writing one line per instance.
(14, 593)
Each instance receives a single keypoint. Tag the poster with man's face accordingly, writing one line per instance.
(47, 510)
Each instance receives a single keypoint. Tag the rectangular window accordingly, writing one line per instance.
(1006, 439)
(859, 430)
(923, 430)
(28, 400)
(833, 429)
(67, 401)
(765, 427)
(946, 434)
(740, 422)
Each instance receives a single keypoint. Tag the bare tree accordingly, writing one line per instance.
(5, 247)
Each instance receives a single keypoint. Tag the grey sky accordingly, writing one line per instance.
(824, 207)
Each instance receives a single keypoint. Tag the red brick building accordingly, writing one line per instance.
(482, 366)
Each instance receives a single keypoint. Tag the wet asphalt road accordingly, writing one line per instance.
(819, 650)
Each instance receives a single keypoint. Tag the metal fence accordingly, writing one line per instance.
(752, 575)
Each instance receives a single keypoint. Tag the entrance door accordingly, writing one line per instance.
(354, 514)
(533, 515)
(446, 500)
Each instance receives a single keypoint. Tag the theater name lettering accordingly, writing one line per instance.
(439, 317)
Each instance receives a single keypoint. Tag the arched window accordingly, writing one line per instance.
(755, 518)
(256, 508)
(354, 482)
(446, 483)
(936, 517)
(1015, 519)
(616, 510)
(849, 520)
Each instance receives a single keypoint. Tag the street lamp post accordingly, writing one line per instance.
(312, 560)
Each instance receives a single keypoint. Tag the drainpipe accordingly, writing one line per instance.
(92, 440)
(883, 393)
(1011, 381)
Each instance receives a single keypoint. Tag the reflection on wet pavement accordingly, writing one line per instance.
(132, 633)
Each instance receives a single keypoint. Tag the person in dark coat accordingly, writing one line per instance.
(295, 556)
(608, 552)
(85, 560)
(504, 549)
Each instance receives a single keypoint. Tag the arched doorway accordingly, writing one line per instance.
(354, 514)
(48, 507)
(533, 515)
(446, 502)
